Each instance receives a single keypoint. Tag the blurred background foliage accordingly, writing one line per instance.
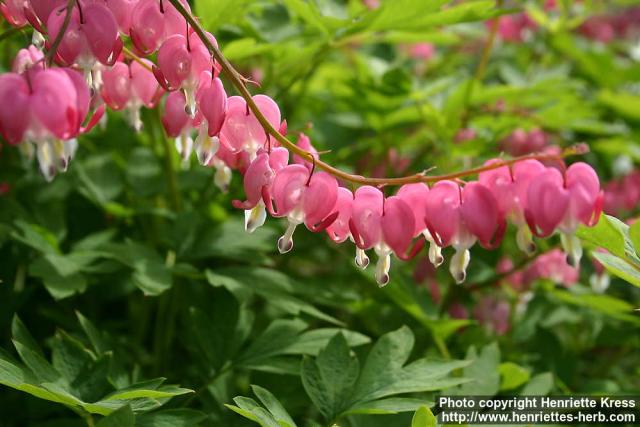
(132, 271)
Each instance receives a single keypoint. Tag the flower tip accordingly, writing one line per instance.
(285, 245)
(383, 280)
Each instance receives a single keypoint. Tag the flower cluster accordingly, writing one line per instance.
(48, 106)
(622, 194)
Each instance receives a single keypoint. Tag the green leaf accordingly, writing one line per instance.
(609, 234)
(512, 375)
(170, 418)
(330, 378)
(623, 103)
(483, 371)
(392, 405)
(423, 418)
(36, 237)
(42, 370)
(624, 269)
(634, 234)
(224, 11)
(273, 405)
(309, 13)
(122, 417)
(540, 385)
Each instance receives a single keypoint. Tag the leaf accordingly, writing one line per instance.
(609, 234)
(392, 405)
(225, 11)
(258, 413)
(540, 385)
(483, 370)
(623, 103)
(170, 418)
(624, 269)
(309, 13)
(330, 378)
(512, 376)
(273, 405)
(122, 417)
(634, 234)
(423, 418)
(36, 237)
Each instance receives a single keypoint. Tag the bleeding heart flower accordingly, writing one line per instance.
(509, 186)
(14, 12)
(153, 21)
(242, 130)
(27, 58)
(305, 143)
(47, 108)
(257, 180)
(181, 62)
(122, 10)
(460, 217)
(178, 124)
(415, 195)
(554, 201)
(387, 226)
(302, 197)
(91, 37)
(339, 230)
(211, 100)
(130, 87)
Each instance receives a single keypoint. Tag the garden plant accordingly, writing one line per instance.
(314, 212)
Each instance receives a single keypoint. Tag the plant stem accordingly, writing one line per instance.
(170, 171)
(239, 82)
(65, 24)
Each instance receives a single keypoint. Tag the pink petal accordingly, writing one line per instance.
(101, 30)
(143, 83)
(366, 216)
(339, 230)
(441, 211)
(416, 197)
(14, 107)
(212, 102)
(174, 60)
(116, 87)
(584, 188)
(398, 224)
(174, 118)
(320, 198)
(547, 202)
(54, 102)
(288, 188)
(479, 211)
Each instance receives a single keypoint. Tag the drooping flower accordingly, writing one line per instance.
(303, 197)
(509, 185)
(415, 195)
(257, 180)
(178, 124)
(242, 130)
(91, 37)
(385, 225)
(459, 217)
(14, 12)
(564, 202)
(339, 230)
(130, 87)
(46, 108)
(153, 21)
(181, 62)
(211, 100)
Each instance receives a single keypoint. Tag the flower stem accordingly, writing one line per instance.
(65, 24)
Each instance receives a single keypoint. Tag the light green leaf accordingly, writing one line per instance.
(626, 270)
(634, 234)
(273, 405)
(512, 375)
(392, 405)
(540, 385)
(423, 418)
(483, 370)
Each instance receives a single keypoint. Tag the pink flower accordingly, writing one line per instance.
(423, 51)
(211, 100)
(181, 62)
(553, 266)
(339, 230)
(14, 12)
(554, 201)
(387, 226)
(494, 314)
(153, 21)
(415, 196)
(242, 130)
(521, 142)
(40, 10)
(305, 143)
(122, 11)
(258, 179)
(178, 124)
(510, 186)
(302, 197)
(464, 135)
(47, 108)
(130, 87)
(27, 58)
(460, 217)
(92, 36)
